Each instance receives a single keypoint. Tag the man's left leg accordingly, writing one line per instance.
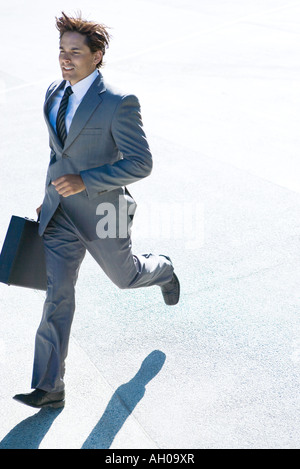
(126, 270)
(64, 254)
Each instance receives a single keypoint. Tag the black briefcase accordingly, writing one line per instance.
(22, 259)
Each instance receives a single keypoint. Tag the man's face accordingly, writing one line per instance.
(75, 57)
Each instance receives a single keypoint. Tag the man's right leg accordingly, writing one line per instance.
(64, 254)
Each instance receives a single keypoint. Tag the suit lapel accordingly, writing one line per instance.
(90, 102)
(52, 90)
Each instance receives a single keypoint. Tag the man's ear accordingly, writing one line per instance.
(98, 57)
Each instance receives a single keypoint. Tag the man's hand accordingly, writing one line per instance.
(69, 184)
(38, 210)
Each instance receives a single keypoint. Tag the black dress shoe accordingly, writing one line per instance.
(171, 291)
(40, 398)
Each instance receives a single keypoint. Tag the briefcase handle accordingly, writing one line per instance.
(38, 218)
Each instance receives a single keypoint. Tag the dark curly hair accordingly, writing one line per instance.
(97, 37)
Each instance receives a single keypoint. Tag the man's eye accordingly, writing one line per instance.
(74, 52)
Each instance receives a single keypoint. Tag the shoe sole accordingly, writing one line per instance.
(56, 405)
(173, 303)
(52, 405)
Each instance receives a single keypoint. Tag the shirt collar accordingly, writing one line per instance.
(80, 88)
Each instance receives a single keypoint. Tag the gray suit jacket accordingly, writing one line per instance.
(106, 145)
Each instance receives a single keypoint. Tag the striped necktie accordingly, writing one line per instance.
(61, 115)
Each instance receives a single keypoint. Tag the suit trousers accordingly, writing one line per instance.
(65, 249)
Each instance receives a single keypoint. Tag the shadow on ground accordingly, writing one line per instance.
(29, 433)
(123, 402)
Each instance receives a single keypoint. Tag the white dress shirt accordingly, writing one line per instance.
(79, 91)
